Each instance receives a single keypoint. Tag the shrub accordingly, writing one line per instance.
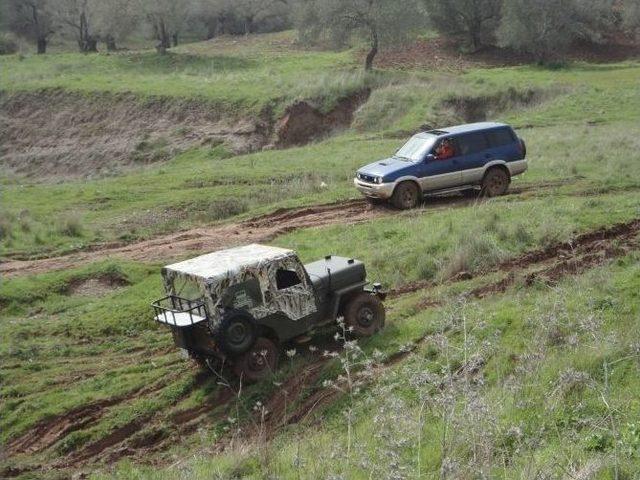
(547, 28)
(8, 45)
(71, 226)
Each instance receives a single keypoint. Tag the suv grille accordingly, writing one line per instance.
(366, 178)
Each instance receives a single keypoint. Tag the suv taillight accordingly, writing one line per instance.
(523, 148)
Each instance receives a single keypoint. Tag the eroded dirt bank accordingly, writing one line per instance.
(54, 134)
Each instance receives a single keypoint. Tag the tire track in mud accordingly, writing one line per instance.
(260, 229)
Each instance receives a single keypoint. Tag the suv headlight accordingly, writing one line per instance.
(378, 180)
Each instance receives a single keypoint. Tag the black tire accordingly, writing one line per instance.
(406, 196)
(259, 362)
(237, 332)
(364, 315)
(495, 182)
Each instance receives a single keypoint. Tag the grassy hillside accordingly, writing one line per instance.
(510, 347)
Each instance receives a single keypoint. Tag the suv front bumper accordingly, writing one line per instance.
(375, 190)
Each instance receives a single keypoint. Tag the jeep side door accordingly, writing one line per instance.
(438, 173)
(475, 154)
(290, 291)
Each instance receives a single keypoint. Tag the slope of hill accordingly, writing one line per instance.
(511, 346)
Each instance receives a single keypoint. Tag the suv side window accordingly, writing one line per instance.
(500, 137)
(243, 296)
(472, 143)
(287, 279)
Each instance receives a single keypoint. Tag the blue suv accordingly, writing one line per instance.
(464, 158)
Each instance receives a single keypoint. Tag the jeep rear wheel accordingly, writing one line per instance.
(495, 183)
(364, 315)
(406, 196)
(259, 362)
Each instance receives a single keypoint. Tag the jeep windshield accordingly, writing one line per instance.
(416, 148)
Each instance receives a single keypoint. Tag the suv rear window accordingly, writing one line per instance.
(500, 137)
(472, 143)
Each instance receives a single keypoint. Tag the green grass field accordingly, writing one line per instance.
(538, 381)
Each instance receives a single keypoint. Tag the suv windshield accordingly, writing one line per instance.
(416, 148)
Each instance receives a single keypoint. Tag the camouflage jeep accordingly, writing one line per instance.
(239, 305)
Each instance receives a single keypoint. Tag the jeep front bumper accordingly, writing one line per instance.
(374, 190)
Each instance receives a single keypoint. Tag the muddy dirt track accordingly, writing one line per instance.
(207, 239)
(261, 229)
(301, 398)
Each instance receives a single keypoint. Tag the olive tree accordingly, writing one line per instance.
(253, 12)
(166, 19)
(77, 19)
(380, 22)
(474, 22)
(31, 19)
(115, 20)
(547, 28)
(631, 13)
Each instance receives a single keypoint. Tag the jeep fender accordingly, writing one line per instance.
(339, 295)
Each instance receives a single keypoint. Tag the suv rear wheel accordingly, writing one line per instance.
(495, 183)
(364, 315)
(406, 196)
(259, 362)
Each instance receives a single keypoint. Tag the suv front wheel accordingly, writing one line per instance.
(406, 196)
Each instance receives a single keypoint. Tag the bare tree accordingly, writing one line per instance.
(166, 19)
(474, 21)
(115, 20)
(77, 17)
(251, 12)
(31, 19)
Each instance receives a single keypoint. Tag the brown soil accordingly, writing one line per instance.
(55, 134)
(442, 54)
(303, 122)
(49, 431)
(96, 286)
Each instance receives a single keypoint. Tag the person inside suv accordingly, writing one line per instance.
(445, 150)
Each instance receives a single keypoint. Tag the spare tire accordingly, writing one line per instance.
(236, 332)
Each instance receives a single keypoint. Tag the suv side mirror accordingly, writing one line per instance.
(429, 158)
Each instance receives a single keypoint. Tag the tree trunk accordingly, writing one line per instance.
(163, 39)
(111, 43)
(42, 46)
(368, 66)
(174, 38)
(91, 44)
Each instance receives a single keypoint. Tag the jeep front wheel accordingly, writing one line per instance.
(495, 183)
(406, 196)
(259, 362)
(364, 315)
